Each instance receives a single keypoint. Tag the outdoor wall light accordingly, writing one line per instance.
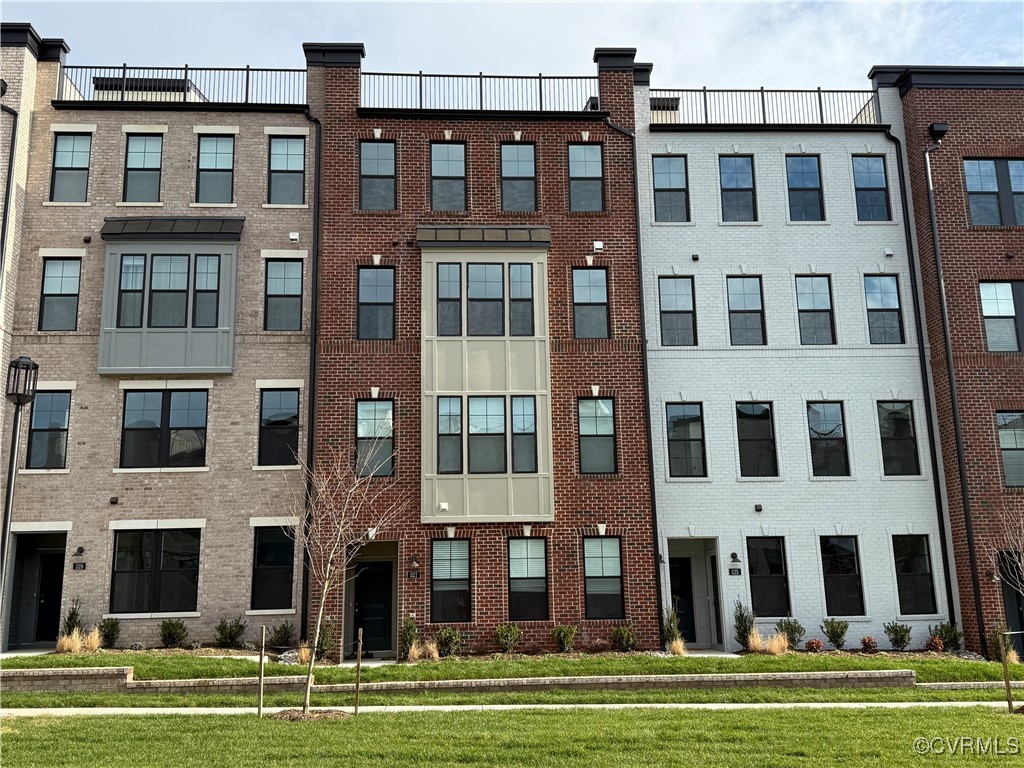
(734, 558)
(414, 562)
(598, 246)
(695, 257)
(79, 552)
(758, 508)
(938, 131)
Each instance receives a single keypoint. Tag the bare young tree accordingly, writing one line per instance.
(1005, 549)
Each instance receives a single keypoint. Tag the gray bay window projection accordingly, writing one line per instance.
(447, 177)
(287, 171)
(1010, 425)
(871, 188)
(814, 306)
(142, 169)
(215, 177)
(164, 429)
(885, 318)
(58, 306)
(48, 431)
(739, 199)
(586, 177)
(70, 180)
(375, 437)
(671, 194)
(1002, 307)
(377, 175)
(155, 571)
(518, 177)
(597, 435)
(746, 311)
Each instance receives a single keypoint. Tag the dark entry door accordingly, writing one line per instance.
(1014, 604)
(51, 582)
(713, 567)
(681, 582)
(373, 605)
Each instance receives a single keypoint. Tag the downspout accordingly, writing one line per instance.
(647, 382)
(10, 183)
(957, 424)
(922, 357)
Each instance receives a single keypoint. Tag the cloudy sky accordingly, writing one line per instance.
(832, 43)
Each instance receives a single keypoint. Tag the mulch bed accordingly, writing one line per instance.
(296, 715)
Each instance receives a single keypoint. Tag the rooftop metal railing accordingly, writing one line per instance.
(717, 107)
(506, 93)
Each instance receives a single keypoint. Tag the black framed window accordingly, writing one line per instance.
(206, 292)
(524, 434)
(829, 454)
(885, 317)
(871, 188)
(769, 582)
(215, 178)
(155, 571)
(756, 432)
(520, 299)
(279, 427)
(678, 318)
(142, 167)
(840, 566)
(518, 177)
(58, 305)
(814, 307)
(287, 173)
(590, 303)
(273, 564)
(486, 440)
(447, 176)
(527, 579)
(803, 177)
(450, 598)
(449, 300)
(995, 191)
(1002, 308)
(899, 438)
(377, 175)
(70, 180)
(602, 583)
(376, 318)
(282, 310)
(746, 311)
(597, 435)
(671, 192)
(48, 431)
(914, 575)
(375, 437)
(168, 290)
(1010, 425)
(739, 198)
(130, 288)
(449, 435)
(586, 177)
(685, 429)
(164, 428)
(485, 300)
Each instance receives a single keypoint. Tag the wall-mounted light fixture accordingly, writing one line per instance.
(734, 558)
(414, 562)
(758, 508)
(938, 131)
(79, 552)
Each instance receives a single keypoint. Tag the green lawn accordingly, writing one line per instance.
(740, 739)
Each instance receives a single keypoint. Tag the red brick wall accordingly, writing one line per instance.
(348, 368)
(982, 124)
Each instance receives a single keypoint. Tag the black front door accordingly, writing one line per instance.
(373, 605)
(713, 566)
(51, 582)
(681, 582)
(1013, 602)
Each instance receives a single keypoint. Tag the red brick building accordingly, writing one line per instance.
(479, 306)
(977, 180)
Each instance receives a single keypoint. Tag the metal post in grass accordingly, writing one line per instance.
(263, 658)
(359, 666)
(1005, 653)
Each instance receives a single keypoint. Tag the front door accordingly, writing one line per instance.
(1013, 602)
(681, 583)
(51, 582)
(713, 597)
(373, 605)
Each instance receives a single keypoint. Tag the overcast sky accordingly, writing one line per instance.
(692, 44)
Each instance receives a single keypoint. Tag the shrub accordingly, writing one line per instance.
(774, 645)
(950, 635)
(792, 629)
(282, 636)
(73, 618)
(670, 627)
(91, 640)
(868, 644)
(229, 633)
(835, 630)
(408, 636)
(898, 634)
(194, 645)
(72, 642)
(934, 644)
(998, 644)
(136, 647)
(110, 630)
(508, 636)
(755, 642)
(449, 641)
(814, 645)
(173, 633)
(429, 652)
(743, 623)
(325, 643)
(624, 637)
(564, 635)
(677, 647)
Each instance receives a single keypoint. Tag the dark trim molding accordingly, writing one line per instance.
(53, 49)
(964, 78)
(334, 54)
(179, 106)
(478, 114)
(614, 59)
(642, 74)
(172, 228)
(19, 34)
(768, 127)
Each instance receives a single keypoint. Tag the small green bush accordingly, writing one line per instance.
(793, 630)
(564, 635)
(229, 633)
(110, 630)
(282, 636)
(325, 643)
(898, 634)
(835, 630)
(624, 637)
(173, 633)
(670, 627)
(73, 618)
(742, 623)
(449, 641)
(407, 637)
(950, 635)
(509, 636)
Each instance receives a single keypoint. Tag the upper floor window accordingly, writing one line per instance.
(70, 180)
(803, 175)
(375, 437)
(449, 435)
(590, 303)
(487, 435)
(282, 309)
(485, 300)
(1011, 444)
(518, 177)
(678, 319)
(279, 427)
(671, 193)
(142, 169)
(58, 306)
(524, 434)
(485, 304)
(746, 311)
(377, 175)
(215, 179)
(995, 191)
(914, 574)
(273, 561)
(899, 438)
(449, 299)
(155, 571)
(602, 577)
(739, 198)
(814, 306)
(447, 176)
(871, 188)
(756, 432)
(520, 307)
(487, 440)
(885, 318)
(168, 291)
(829, 455)
(1002, 307)
(586, 177)
(376, 318)
(597, 435)
(686, 440)
(287, 171)
(48, 433)
(164, 429)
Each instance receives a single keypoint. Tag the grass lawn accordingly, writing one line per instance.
(615, 738)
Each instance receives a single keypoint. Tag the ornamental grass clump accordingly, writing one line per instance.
(91, 640)
(70, 643)
(677, 647)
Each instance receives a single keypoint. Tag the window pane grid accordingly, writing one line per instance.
(283, 295)
(586, 177)
(739, 202)
(272, 568)
(678, 319)
(1010, 426)
(769, 582)
(58, 306)
(155, 571)
(449, 581)
(164, 429)
(449, 299)
(377, 175)
(287, 172)
(279, 427)
(590, 303)
(899, 441)
(671, 194)
(829, 457)
(596, 420)
(756, 432)
(376, 310)
(914, 575)
(885, 318)
(804, 178)
(70, 179)
(375, 437)
(814, 306)
(48, 431)
(871, 188)
(1004, 326)
(746, 313)
(685, 430)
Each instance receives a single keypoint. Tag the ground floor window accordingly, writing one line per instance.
(272, 564)
(155, 571)
(527, 579)
(769, 583)
(449, 581)
(841, 568)
(602, 567)
(914, 574)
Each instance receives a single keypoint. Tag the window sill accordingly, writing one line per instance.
(673, 223)
(772, 479)
(670, 479)
(58, 204)
(147, 470)
(741, 223)
(168, 615)
(890, 223)
(929, 617)
(44, 471)
(790, 223)
(213, 205)
(125, 204)
(285, 206)
(277, 467)
(896, 478)
(993, 227)
(832, 478)
(272, 612)
(853, 619)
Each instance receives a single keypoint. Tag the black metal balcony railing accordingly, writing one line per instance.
(245, 85)
(818, 107)
(505, 93)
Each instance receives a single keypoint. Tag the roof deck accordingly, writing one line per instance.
(696, 107)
